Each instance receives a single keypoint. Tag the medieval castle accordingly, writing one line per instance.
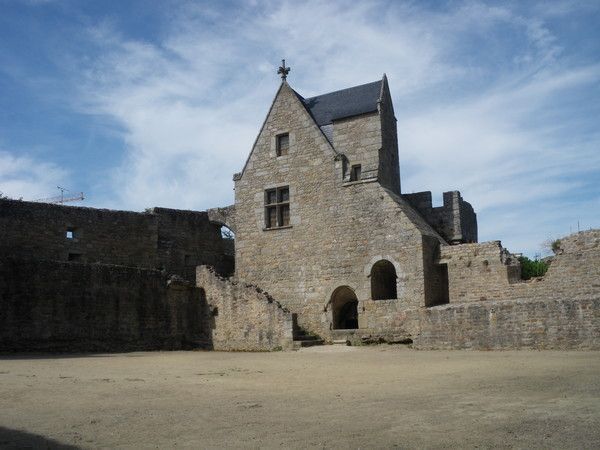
(327, 249)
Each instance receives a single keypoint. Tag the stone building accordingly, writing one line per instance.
(321, 223)
(327, 248)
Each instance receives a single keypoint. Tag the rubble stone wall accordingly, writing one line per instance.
(69, 306)
(495, 325)
(161, 238)
(242, 316)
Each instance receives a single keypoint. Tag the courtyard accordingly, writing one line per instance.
(320, 397)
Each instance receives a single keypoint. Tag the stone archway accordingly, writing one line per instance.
(344, 308)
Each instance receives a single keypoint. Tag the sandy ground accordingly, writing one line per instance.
(327, 397)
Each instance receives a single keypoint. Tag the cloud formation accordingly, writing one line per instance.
(28, 178)
(491, 99)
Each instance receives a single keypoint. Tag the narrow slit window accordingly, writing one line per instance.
(283, 144)
(277, 207)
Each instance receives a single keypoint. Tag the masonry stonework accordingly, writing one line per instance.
(327, 248)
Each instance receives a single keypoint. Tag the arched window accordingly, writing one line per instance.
(383, 280)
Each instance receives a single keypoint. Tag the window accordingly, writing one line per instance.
(277, 207)
(383, 280)
(283, 144)
(70, 234)
(74, 257)
(355, 173)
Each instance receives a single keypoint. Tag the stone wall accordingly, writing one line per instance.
(495, 325)
(479, 272)
(243, 317)
(39, 230)
(487, 271)
(456, 220)
(338, 229)
(69, 306)
(161, 238)
(389, 164)
(187, 239)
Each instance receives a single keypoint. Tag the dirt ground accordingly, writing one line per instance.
(322, 397)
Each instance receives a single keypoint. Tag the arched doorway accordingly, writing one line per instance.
(383, 280)
(344, 308)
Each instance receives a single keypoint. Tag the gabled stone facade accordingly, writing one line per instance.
(342, 227)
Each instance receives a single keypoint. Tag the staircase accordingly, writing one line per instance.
(303, 338)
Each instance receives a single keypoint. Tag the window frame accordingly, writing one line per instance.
(279, 149)
(356, 172)
(280, 204)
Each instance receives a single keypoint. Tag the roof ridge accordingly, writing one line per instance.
(342, 90)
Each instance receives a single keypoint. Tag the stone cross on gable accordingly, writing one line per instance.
(283, 71)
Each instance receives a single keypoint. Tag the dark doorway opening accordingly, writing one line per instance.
(344, 307)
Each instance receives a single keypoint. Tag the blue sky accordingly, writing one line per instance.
(157, 103)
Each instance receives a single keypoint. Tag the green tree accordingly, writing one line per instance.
(532, 267)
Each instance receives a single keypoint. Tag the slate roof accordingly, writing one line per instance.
(345, 103)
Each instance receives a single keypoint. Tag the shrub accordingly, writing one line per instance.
(532, 267)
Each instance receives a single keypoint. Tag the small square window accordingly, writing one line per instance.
(355, 173)
(70, 234)
(283, 144)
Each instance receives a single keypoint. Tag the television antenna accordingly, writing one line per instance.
(62, 198)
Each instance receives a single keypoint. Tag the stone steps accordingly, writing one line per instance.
(308, 343)
(303, 339)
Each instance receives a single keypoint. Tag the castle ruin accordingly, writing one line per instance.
(327, 249)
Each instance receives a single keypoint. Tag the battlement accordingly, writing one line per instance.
(455, 221)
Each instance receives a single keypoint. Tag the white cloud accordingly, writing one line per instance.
(28, 178)
(468, 84)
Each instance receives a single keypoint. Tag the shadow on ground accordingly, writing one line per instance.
(13, 439)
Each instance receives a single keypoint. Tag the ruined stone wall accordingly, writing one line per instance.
(337, 231)
(68, 306)
(491, 308)
(173, 240)
(187, 239)
(39, 230)
(456, 220)
(243, 317)
(486, 271)
(565, 323)
(479, 272)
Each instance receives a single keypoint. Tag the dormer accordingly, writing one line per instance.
(359, 123)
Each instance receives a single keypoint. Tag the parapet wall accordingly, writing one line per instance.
(68, 306)
(244, 317)
(455, 221)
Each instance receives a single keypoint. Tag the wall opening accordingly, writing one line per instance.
(70, 233)
(355, 173)
(227, 266)
(74, 257)
(344, 308)
(383, 281)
